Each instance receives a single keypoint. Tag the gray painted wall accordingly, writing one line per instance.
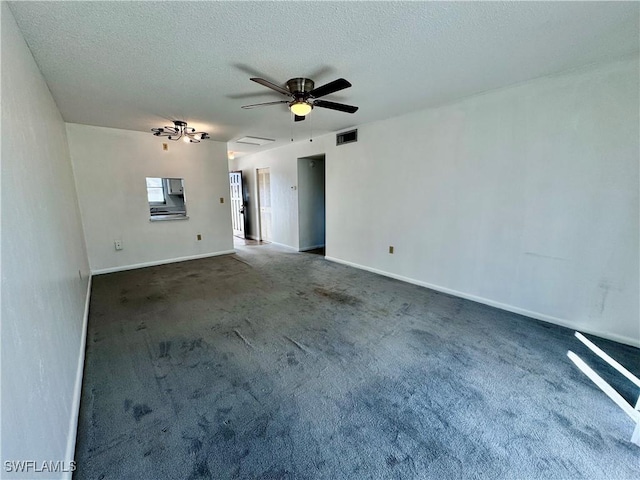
(111, 166)
(284, 196)
(45, 272)
(525, 198)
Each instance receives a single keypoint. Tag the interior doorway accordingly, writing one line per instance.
(238, 204)
(264, 203)
(311, 204)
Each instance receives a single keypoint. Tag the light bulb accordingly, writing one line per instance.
(300, 108)
(186, 139)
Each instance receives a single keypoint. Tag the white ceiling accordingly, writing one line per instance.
(138, 65)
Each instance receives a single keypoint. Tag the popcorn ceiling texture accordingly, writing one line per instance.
(134, 65)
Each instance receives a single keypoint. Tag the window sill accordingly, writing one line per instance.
(164, 218)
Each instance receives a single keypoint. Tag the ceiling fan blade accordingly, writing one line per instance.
(244, 96)
(331, 87)
(298, 118)
(335, 106)
(272, 86)
(265, 104)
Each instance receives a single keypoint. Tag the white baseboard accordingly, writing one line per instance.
(289, 247)
(77, 389)
(313, 247)
(101, 271)
(503, 306)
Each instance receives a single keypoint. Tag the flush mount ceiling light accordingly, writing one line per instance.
(180, 130)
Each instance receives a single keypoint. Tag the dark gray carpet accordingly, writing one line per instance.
(270, 364)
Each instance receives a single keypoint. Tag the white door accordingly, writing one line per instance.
(237, 203)
(264, 197)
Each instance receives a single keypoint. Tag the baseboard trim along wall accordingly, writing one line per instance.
(77, 389)
(289, 247)
(313, 247)
(159, 262)
(492, 303)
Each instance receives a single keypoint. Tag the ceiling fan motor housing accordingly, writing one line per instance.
(299, 87)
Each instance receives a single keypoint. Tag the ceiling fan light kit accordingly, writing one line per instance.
(300, 108)
(304, 96)
(180, 130)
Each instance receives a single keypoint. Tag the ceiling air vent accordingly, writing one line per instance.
(255, 140)
(347, 137)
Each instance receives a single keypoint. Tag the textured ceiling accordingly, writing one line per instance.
(137, 65)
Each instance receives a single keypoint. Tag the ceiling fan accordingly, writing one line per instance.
(305, 96)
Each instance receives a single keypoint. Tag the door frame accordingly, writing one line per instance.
(313, 161)
(258, 203)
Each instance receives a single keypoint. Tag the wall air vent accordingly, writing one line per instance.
(347, 137)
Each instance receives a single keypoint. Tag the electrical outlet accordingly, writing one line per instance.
(391, 249)
(165, 147)
(199, 237)
(221, 199)
(118, 244)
